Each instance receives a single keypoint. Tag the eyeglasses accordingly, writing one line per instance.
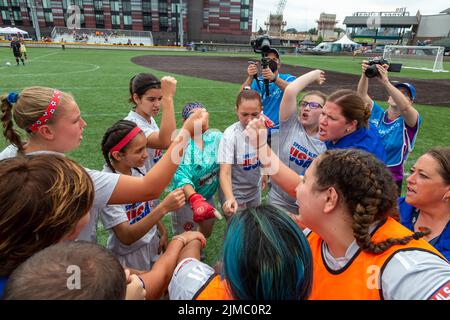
(312, 105)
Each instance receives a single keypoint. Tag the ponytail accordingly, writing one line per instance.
(6, 106)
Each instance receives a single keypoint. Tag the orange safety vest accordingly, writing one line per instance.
(214, 289)
(360, 278)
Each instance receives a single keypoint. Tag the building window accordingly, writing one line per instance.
(79, 3)
(48, 17)
(245, 2)
(162, 6)
(146, 5)
(98, 5)
(14, 3)
(244, 25)
(6, 17)
(127, 20)
(147, 21)
(126, 6)
(99, 21)
(115, 20)
(115, 6)
(244, 13)
(46, 4)
(163, 23)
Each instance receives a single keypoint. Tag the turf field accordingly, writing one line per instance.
(99, 81)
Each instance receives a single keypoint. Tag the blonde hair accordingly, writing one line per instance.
(29, 107)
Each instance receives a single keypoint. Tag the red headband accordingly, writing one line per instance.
(51, 108)
(122, 143)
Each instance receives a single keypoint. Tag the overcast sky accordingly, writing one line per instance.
(302, 15)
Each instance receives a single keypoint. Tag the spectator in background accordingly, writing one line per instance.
(398, 125)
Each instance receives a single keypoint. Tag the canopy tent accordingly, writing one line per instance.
(13, 30)
(346, 41)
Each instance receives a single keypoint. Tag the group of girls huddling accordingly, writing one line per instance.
(333, 227)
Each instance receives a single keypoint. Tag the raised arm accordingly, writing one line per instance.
(279, 173)
(252, 70)
(404, 104)
(363, 86)
(162, 138)
(133, 189)
(289, 102)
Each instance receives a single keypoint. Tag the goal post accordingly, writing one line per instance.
(416, 57)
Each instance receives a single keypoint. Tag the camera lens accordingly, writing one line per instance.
(371, 71)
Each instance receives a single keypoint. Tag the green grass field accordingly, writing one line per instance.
(99, 81)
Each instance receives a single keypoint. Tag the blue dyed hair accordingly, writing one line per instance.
(266, 256)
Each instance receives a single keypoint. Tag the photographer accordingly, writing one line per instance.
(399, 124)
(277, 83)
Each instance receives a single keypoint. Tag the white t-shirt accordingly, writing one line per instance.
(296, 150)
(245, 170)
(104, 185)
(409, 275)
(187, 279)
(148, 128)
(142, 253)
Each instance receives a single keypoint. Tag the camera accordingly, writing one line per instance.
(372, 70)
(261, 44)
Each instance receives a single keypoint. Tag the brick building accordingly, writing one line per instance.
(203, 20)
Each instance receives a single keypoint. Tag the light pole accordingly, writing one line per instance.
(34, 19)
(181, 24)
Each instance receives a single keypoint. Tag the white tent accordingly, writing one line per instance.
(346, 41)
(9, 30)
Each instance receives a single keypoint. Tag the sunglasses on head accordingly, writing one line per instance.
(312, 105)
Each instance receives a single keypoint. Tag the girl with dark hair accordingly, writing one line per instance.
(53, 123)
(348, 201)
(136, 233)
(148, 94)
(265, 257)
(344, 123)
(427, 201)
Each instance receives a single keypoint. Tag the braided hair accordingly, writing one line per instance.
(113, 136)
(367, 189)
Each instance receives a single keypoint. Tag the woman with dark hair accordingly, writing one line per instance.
(344, 123)
(265, 257)
(427, 201)
(348, 203)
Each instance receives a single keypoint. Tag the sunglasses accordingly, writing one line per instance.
(312, 105)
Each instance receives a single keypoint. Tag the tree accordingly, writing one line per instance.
(339, 31)
(319, 40)
(261, 31)
(291, 30)
(312, 31)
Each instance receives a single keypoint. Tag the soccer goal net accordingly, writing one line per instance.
(416, 57)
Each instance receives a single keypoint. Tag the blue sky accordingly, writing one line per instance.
(302, 15)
